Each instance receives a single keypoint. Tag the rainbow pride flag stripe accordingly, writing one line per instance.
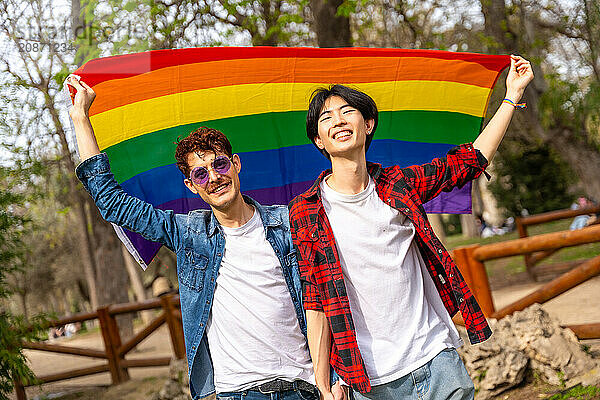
(429, 101)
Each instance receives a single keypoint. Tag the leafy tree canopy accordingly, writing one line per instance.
(531, 178)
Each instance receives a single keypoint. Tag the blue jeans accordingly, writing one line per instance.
(443, 378)
(254, 395)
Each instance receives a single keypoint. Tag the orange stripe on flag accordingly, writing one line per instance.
(167, 81)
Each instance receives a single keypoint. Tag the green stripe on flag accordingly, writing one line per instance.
(245, 133)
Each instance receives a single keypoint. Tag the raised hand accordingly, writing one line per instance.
(83, 99)
(519, 76)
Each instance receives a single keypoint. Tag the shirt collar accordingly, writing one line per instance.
(269, 219)
(314, 192)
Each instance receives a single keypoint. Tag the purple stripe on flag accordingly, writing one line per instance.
(146, 249)
(458, 201)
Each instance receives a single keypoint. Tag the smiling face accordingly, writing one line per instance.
(221, 190)
(342, 130)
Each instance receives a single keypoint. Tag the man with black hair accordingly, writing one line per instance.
(379, 287)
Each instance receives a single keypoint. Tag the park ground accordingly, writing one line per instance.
(508, 281)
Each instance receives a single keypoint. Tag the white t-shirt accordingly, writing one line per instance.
(400, 320)
(253, 332)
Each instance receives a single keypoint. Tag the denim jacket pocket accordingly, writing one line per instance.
(193, 276)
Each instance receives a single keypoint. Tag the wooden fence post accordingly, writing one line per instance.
(112, 342)
(459, 255)
(475, 276)
(175, 326)
(19, 390)
(481, 283)
(522, 229)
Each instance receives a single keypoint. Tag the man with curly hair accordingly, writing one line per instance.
(239, 285)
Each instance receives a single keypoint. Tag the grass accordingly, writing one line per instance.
(516, 264)
(578, 392)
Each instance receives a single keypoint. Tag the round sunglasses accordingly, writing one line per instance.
(220, 164)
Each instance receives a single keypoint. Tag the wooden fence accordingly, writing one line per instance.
(114, 349)
(532, 259)
(470, 260)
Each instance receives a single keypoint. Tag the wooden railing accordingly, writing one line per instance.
(470, 260)
(532, 259)
(114, 349)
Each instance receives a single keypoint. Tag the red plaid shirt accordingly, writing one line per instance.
(405, 189)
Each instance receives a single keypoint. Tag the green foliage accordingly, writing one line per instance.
(568, 105)
(585, 348)
(13, 328)
(13, 364)
(451, 224)
(349, 7)
(578, 392)
(559, 103)
(533, 178)
(561, 378)
(481, 376)
(11, 226)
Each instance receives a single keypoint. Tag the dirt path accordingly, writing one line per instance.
(156, 345)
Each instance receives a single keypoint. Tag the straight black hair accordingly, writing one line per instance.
(355, 98)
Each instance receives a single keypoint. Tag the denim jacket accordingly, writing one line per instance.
(198, 240)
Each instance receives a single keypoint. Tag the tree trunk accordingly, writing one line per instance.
(438, 228)
(496, 27)
(22, 294)
(468, 225)
(112, 278)
(89, 263)
(76, 23)
(331, 30)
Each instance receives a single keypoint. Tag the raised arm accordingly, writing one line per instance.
(114, 204)
(84, 97)
(519, 76)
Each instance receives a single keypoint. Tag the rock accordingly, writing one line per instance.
(178, 371)
(171, 390)
(177, 386)
(497, 372)
(590, 378)
(527, 339)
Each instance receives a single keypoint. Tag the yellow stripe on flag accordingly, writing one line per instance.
(117, 125)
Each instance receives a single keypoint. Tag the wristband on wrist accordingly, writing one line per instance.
(515, 105)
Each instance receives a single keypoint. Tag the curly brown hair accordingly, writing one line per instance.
(202, 139)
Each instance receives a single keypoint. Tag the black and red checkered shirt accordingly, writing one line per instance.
(405, 189)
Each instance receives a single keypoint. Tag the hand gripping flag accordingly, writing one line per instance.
(429, 101)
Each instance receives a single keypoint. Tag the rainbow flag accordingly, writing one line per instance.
(429, 101)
